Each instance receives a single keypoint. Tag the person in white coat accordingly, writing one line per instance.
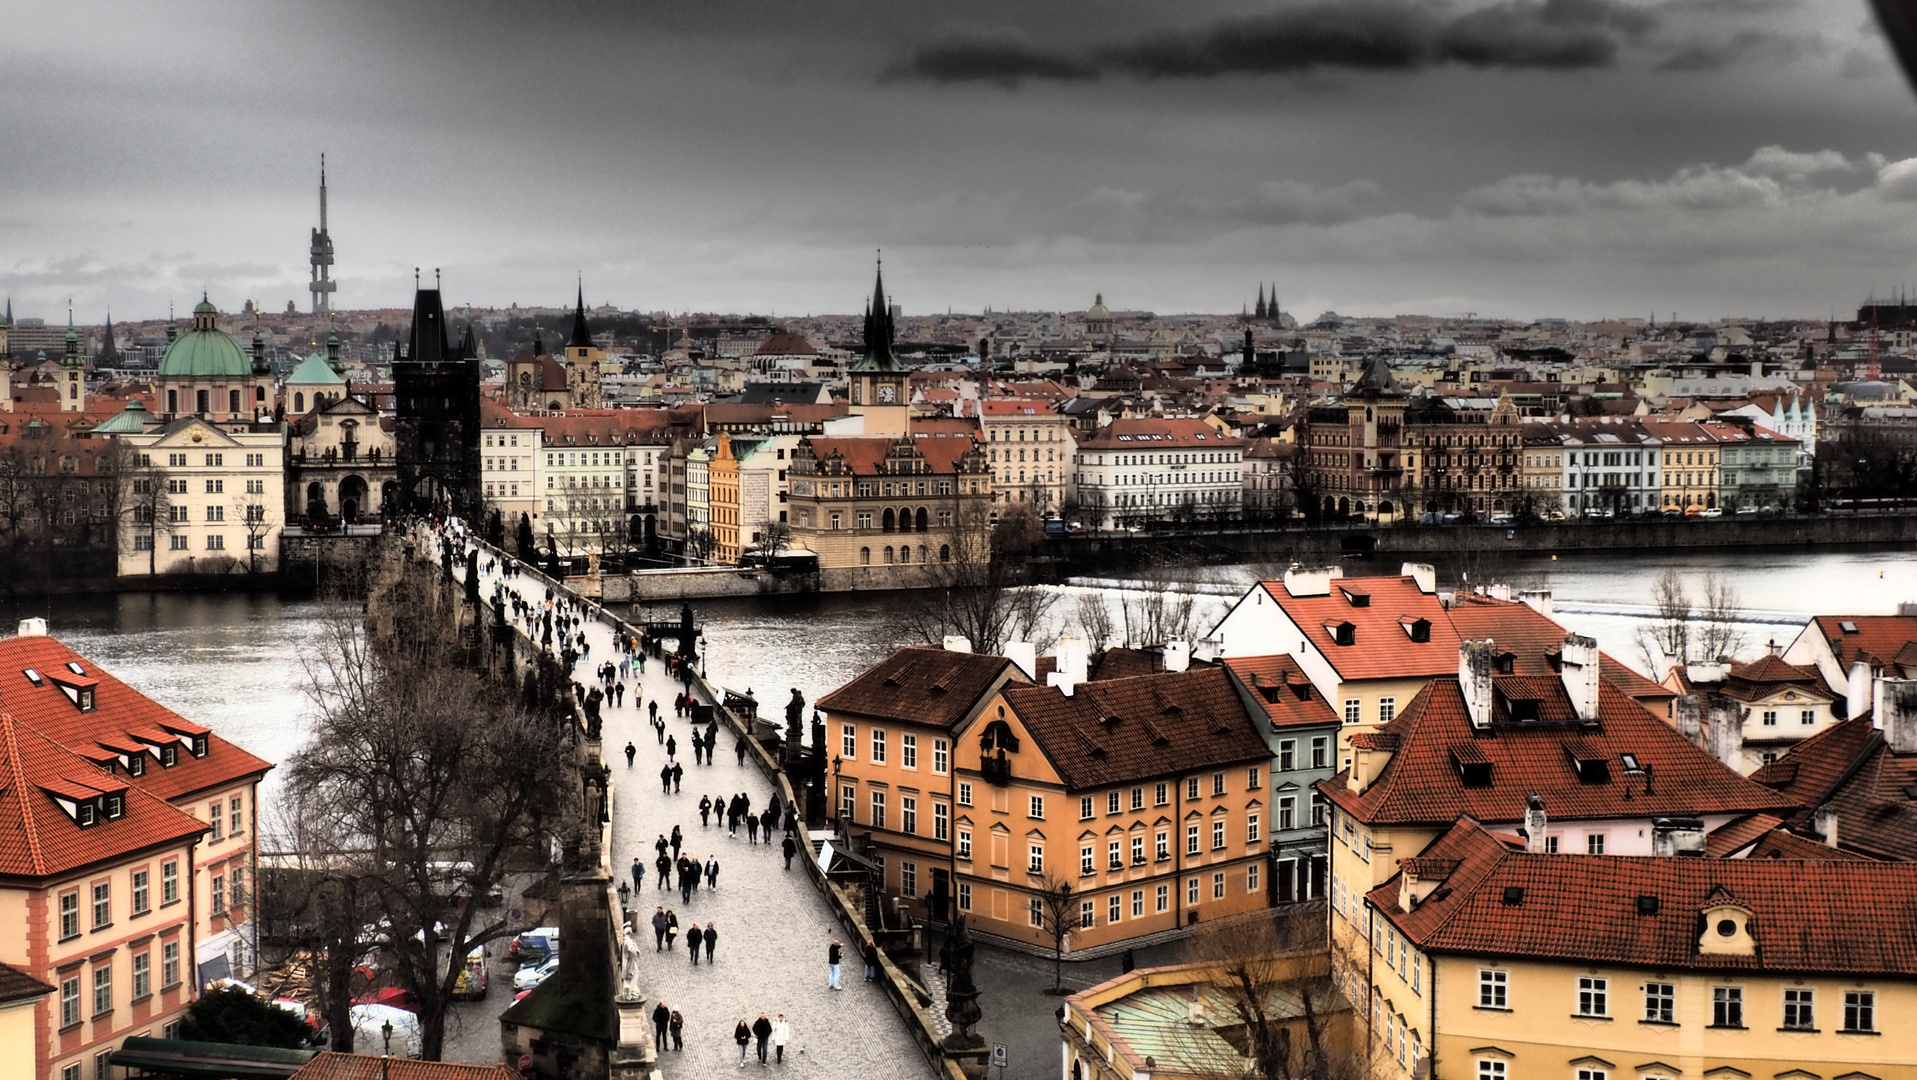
(781, 1031)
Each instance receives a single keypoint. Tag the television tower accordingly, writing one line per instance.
(322, 256)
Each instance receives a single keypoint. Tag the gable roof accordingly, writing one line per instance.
(1424, 783)
(1533, 639)
(1282, 689)
(1377, 608)
(123, 720)
(333, 1065)
(923, 684)
(1586, 908)
(1117, 730)
(37, 837)
(1876, 639)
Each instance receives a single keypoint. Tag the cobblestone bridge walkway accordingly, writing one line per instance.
(773, 926)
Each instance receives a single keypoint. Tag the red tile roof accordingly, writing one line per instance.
(120, 714)
(332, 1065)
(1282, 689)
(1151, 433)
(1533, 638)
(16, 985)
(923, 685)
(1378, 609)
(1121, 730)
(941, 450)
(1877, 639)
(1584, 909)
(37, 837)
(1423, 783)
(1851, 770)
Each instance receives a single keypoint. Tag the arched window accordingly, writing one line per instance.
(888, 555)
(945, 553)
(923, 552)
(905, 553)
(233, 401)
(299, 403)
(865, 556)
(886, 522)
(922, 519)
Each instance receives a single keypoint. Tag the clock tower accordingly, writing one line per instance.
(879, 389)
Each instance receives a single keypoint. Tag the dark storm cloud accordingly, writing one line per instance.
(1375, 35)
(1745, 46)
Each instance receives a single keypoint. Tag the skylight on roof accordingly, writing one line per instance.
(1847, 627)
(75, 668)
(33, 676)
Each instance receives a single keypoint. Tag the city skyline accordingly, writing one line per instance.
(1584, 160)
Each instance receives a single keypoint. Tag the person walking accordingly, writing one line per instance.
(665, 778)
(705, 811)
(769, 821)
(752, 829)
(652, 710)
(738, 747)
(659, 729)
(832, 958)
(712, 872)
(677, 839)
(664, 865)
(688, 878)
(638, 875)
(659, 925)
(791, 819)
(712, 941)
(672, 929)
(661, 1016)
(791, 848)
(781, 1034)
(762, 1031)
(678, 773)
(743, 1036)
(692, 943)
(672, 747)
(870, 954)
(678, 1027)
(631, 752)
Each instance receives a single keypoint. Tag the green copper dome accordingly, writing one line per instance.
(314, 371)
(206, 351)
(131, 420)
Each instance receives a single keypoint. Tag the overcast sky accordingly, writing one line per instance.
(1522, 158)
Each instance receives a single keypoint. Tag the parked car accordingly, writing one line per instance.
(528, 977)
(1713, 512)
(1500, 519)
(1742, 510)
(534, 946)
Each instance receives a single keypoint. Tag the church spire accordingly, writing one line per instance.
(880, 332)
(581, 338)
(1259, 311)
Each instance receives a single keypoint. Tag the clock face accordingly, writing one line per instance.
(885, 394)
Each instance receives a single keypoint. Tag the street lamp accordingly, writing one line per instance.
(625, 897)
(833, 795)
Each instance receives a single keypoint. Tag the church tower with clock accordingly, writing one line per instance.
(879, 388)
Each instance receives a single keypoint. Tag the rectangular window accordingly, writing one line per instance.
(1660, 1002)
(964, 850)
(1727, 1006)
(1251, 878)
(909, 814)
(1163, 898)
(1860, 1010)
(1287, 754)
(1218, 834)
(1218, 783)
(1191, 839)
(1191, 789)
(70, 1006)
(849, 742)
(1593, 1074)
(102, 990)
(909, 751)
(234, 817)
(1112, 802)
(1138, 851)
(939, 757)
(1251, 779)
(1086, 807)
(1354, 710)
(1770, 718)
(1191, 892)
(909, 878)
(214, 818)
(1387, 708)
(69, 915)
(1035, 858)
(1320, 752)
(1251, 828)
(1319, 808)
(1138, 903)
(1087, 914)
(878, 810)
(965, 793)
(1807, 717)
(170, 882)
(847, 803)
(1594, 844)
(1492, 984)
(1087, 860)
(1800, 1009)
(1114, 856)
(1163, 793)
(965, 896)
(1037, 912)
(169, 965)
(878, 746)
(219, 894)
(142, 975)
(1287, 812)
(1114, 908)
(1038, 807)
(941, 821)
(1218, 886)
(140, 893)
(102, 905)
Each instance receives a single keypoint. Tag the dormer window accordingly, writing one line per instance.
(199, 746)
(115, 807)
(84, 814)
(86, 699)
(1505, 663)
(169, 756)
(136, 765)
(1343, 633)
(1418, 630)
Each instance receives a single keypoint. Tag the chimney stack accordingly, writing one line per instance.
(1535, 824)
(1025, 655)
(1074, 662)
(1857, 694)
(1725, 731)
(34, 627)
(1424, 574)
(1897, 714)
(1177, 656)
(958, 643)
(1474, 680)
(1538, 600)
(1827, 824)
(1578, 667)
(1687, 716)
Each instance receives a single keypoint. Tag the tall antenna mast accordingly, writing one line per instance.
(320, 257)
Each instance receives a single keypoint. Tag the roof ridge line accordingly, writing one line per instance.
(8, 733)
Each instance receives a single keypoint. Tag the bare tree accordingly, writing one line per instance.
(774, 537)
(251, 512)
(146, 509)
(1669, 634)
(1269, 975)
(1720, 609)
(980, 591)
(1160, 611)
(429, 776)
(1058, 910)
(1092, 618)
